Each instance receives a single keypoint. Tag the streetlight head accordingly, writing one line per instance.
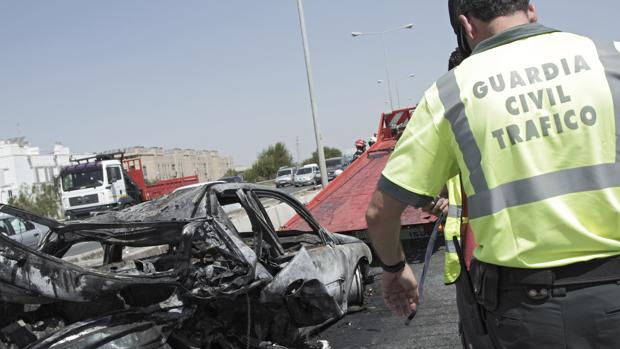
(379, 81)
(408, 26)
(411, 75)
(354, 34)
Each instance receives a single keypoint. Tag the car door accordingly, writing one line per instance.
(328, 266)
(116, 182)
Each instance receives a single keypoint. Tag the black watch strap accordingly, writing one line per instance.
(396, 268)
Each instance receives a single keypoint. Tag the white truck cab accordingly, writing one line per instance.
(94, 186)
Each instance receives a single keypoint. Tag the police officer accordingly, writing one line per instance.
(530, 121)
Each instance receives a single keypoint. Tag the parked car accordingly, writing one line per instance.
(285, 176)
(308, 175)
(215, 271)
(335, 166)
(21, 230)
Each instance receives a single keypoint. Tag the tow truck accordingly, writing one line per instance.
(341, 205)
(109, 181)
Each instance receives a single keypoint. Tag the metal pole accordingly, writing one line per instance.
(397, 93)
(387, 71)
(315, 113)
(297, 143)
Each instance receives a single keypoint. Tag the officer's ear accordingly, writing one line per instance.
(532, 15)
(468, 29)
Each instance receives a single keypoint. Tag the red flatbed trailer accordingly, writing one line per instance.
(133, 166)
(341, 205)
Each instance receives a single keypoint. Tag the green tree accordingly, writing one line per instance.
(329, 153)
(41, 199)
(230, 172)
(268, 163)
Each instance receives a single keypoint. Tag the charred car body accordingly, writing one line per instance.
(227, 279)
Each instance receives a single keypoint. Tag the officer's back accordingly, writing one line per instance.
(529, 120)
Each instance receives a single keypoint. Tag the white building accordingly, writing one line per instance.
(22, 164)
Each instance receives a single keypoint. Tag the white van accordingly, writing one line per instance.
(284, 176)
(308, 175)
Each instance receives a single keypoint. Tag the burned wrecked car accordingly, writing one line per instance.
(209, 267)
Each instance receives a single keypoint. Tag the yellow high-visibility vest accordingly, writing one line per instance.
(531, 121)
(452, 228)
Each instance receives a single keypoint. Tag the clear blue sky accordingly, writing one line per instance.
(224, 75)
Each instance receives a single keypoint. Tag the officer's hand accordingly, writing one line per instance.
(437, 206)
(400, 291)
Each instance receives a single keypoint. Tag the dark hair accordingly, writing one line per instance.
(456, 57)
(487, 10)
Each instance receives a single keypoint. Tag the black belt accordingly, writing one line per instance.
(593, 271)
(490, 279)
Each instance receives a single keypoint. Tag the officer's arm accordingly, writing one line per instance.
(419, 167)
(383, 218)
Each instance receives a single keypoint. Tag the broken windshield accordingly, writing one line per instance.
(74, 180)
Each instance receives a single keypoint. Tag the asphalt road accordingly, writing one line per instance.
(435, 326)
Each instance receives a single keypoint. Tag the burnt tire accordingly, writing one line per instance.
(357, 291)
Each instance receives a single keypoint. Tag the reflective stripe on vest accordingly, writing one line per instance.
(455, 211)
(452, 228)
(450, 247)
(450, 95)
(543, 187)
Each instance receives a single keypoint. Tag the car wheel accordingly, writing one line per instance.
(357, 294)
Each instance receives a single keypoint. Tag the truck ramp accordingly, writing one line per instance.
(341, 205)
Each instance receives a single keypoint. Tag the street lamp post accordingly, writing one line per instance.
(315, 112)
(396, 87)
(387, 101)
(385, 55)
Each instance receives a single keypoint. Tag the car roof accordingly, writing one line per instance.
(196, 185)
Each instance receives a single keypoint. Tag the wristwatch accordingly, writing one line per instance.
(396, 268)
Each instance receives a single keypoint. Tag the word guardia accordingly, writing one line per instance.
(524, 103)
